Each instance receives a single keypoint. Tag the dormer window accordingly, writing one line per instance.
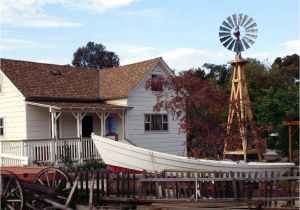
(156, 83)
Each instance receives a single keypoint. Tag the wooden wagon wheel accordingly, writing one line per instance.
(12, 195)
(57, 180)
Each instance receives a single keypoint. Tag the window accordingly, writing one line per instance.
(156, 122)
(1, 126)
(156, 84)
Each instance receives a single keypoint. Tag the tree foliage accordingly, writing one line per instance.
(199, 105)
(95, 56)
(200, 101)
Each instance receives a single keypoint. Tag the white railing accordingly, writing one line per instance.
(49, 150)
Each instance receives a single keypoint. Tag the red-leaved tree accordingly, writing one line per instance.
(201, 107)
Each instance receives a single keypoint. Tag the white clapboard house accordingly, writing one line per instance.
(49, 111)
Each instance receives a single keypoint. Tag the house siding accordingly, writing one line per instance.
(12, 109)
(68, 126)
(142, 101)
(38, 122)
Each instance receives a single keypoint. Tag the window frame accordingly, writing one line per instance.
(148, 117)
(155, 87)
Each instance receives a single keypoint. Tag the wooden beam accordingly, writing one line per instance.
(290, 144)
(290, 122)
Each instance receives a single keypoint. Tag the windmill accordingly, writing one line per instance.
(237, 33)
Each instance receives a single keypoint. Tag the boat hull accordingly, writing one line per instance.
(136, 158)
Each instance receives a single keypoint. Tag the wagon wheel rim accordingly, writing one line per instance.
(12, 194)
(56, 179)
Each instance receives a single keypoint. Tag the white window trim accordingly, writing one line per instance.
(156, 131)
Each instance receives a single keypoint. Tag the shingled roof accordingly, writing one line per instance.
(49, 81)
(119, 82)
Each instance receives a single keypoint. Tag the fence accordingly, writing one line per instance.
(47, 150)
(252, 188)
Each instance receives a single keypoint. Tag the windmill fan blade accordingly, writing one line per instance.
(234, 19)
(245, 43)
(240, 19)
(224, 29)
(224, 23)
(251, 26)
(230, 21)
(249, 40)
(253, 36)
(244, 20)
(238, 47)
(225, 38)
(248, 22)
(225, 44)
(252, 30)
(231, 45)
(224, 34)
(238, 32)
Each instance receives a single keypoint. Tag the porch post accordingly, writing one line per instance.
(104, 123)
(122, 116)
(54, 117)
(123, 124)
(79, 116)
(100, 116)
(52, 143)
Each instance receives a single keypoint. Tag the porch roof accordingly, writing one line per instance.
(77, 105)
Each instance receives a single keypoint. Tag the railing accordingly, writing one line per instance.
(48, 151)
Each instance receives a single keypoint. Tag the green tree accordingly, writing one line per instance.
(220, 73)
(95, 56)
(273, 107)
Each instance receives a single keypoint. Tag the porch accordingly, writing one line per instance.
(59, 131)
(47, 151)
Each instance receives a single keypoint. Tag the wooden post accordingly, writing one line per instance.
(79, 116)
(290, 144)
(54, 117)
(100, 116)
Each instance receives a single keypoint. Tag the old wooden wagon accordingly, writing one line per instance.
(35, 188)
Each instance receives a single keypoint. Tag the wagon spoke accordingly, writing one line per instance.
(10, 207)
(57, 186)
(40, 181)
(11, 193)
(14, 200)
(47, 178)
(7, 186)
(53, 182)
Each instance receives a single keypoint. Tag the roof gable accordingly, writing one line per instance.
(119, 82)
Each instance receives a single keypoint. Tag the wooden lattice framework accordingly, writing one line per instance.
(240, 110)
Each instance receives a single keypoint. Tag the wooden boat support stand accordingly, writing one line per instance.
(211, 188)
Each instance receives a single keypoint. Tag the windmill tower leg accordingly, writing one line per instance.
(240, 110)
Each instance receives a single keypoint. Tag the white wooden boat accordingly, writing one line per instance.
(128, 156)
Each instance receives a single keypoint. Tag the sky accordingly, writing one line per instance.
(183, 32)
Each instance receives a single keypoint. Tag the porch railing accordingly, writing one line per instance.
(48, 151)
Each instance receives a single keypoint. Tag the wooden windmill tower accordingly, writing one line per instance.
(238, 32)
